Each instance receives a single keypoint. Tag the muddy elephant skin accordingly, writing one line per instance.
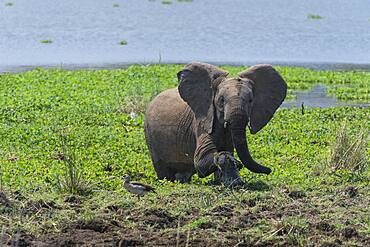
(189, 127)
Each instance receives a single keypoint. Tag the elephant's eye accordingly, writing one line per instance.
(221, 101)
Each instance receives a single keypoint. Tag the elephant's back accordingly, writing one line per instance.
(165, 108)
(169, 128)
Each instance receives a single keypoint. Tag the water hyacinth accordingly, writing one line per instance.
(303, 202)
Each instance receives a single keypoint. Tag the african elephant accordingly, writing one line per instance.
(195, 127)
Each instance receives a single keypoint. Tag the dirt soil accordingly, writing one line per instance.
(160, 228)
(264, 221)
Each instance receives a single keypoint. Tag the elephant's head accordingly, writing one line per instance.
(233, 102)
(198, 82)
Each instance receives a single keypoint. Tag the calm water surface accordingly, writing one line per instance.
(317, 97)
(87, 32)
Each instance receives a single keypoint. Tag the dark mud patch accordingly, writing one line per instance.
(96, 225)
(20, 240)
(335, 243)
(4, 201)
(117, 209)
(73, 199)
(79, 237)
(98, 232)
(257, 186)
(157, 217)
(249, 202)
(222, 210)
(199, 237)
(133, 237)
(347, 234)
(206, 225)
(18, 195)
(247, 219)
(325, 227)
(350, 232)
(351, 191)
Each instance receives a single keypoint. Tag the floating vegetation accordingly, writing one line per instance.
(314, 16)
(123, 42)
(9, 4)
(53, 186)
(46, 41)
(172, 1)
(116, 5)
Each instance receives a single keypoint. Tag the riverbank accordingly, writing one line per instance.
(67, 137)
(112, 66)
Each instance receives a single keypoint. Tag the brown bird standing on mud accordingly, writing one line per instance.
(136, 188)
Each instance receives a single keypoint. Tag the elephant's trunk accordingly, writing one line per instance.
(238, 123)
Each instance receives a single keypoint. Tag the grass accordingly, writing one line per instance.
(349, 150)
(314, 16)
(304, 201)
(70, 178)
(46, 41)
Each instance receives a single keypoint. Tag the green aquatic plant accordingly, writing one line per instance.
(116, 5)
(102, 114)
(166, 2)
(314, 16)
(46, 41)
(9, 4)
(123, 42)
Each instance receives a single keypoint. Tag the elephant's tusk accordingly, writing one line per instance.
(226, 124)
(249, 126)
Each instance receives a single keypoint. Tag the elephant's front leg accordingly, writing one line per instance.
(223, 164)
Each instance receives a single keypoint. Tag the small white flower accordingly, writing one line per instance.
(132, 115)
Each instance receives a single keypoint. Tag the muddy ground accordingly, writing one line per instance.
(248, 222)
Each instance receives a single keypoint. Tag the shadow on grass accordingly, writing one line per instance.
(258, 185)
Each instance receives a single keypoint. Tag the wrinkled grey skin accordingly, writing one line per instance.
(195, 127)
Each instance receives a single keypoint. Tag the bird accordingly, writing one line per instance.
(136, 188)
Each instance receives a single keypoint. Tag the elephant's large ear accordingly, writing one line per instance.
(269, 91)
(196, 89)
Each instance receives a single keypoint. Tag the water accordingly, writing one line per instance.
(87, 33)
(317, 97)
